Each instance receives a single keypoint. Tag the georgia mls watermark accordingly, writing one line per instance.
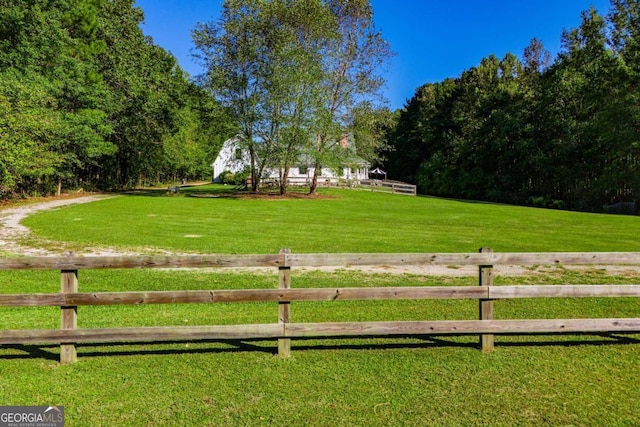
(31, 416)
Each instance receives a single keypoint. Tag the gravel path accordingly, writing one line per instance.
(12, 232)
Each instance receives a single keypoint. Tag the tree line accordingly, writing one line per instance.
(562, 133)
(88, 101)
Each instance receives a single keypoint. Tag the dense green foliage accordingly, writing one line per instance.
(87, 100)
(526, 131)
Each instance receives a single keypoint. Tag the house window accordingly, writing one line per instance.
(302, 170)
(238, 153)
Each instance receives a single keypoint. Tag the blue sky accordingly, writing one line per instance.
(433, 39)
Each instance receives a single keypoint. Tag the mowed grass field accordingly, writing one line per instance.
(337, 221)
(577, 380)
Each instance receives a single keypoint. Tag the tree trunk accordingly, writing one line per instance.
(254, 175)
(313, 189)
(284, 176)
(59, 187)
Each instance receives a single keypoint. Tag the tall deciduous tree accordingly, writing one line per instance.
(300, 31)
(293, 72)
(146, 94)
(232, 52)
(47, 53)
(352, 63)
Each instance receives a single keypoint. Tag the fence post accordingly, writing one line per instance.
(69, 315)
(284, 282)
(485, 278)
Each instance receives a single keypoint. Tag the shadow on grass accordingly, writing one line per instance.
(50, 352)
(221, 192)
(200, 194)
(31, 352)
(187, 191)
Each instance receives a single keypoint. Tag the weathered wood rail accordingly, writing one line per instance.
(70, 298)
(389, 187)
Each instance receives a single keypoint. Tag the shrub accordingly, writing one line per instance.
(237, 178)
(227, 177)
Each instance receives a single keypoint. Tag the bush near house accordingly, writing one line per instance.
(237, 178)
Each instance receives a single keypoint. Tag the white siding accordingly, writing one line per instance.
(227, 160)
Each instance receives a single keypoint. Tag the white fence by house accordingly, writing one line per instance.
(394, 187)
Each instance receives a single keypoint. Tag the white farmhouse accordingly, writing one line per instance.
(234, 158)
(230, 158)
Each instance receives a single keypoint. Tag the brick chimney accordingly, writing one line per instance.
(344, 141)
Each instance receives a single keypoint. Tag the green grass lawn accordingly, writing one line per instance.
(528, 381)
(340, 221)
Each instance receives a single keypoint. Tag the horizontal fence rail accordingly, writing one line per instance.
(318, 260)
(325, 294)
(485, 293)
(383, 186)
(332, 329)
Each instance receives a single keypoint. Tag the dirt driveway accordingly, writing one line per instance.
(12, 232)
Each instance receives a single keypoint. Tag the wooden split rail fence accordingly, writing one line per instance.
(284, 330)
(390, 187)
